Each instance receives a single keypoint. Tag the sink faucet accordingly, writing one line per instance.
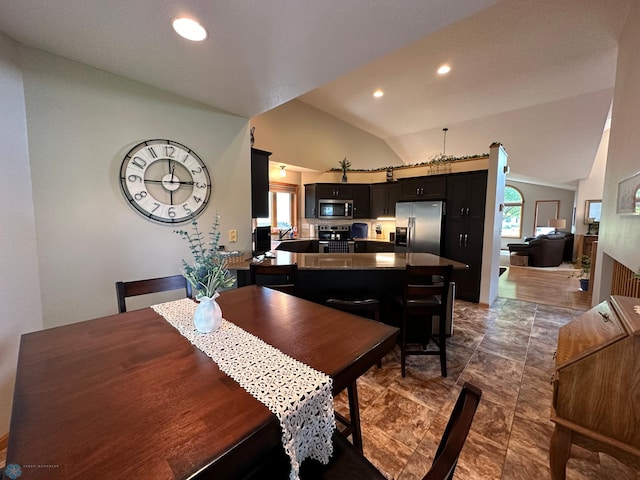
(283, 233)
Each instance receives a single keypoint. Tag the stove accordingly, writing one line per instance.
(334, 232)
(335, 239)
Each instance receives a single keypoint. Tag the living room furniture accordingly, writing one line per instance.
(543, 250)
(584, 245)
(596, 400)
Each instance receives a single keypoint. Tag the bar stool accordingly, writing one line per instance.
(366, 307)
(276, 277)
(422, 297)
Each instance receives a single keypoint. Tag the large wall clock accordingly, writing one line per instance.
(165, 181)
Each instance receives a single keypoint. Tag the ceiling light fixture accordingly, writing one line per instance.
(189, 29)
(283, 173)
(444, 69)
(378, 93)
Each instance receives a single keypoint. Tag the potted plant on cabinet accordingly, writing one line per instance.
(583, 263)
(344, 166)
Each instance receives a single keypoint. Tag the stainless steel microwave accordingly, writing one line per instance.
(335, 209)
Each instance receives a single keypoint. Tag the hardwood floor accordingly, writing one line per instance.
(507, 350)
(546, 286)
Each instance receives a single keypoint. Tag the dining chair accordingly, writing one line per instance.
(348, 463)
(277, 277)
(425, 295)
(153, 285)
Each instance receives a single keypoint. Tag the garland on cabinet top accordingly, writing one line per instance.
(438, 160)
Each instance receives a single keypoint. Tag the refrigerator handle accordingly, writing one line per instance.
(411, 233)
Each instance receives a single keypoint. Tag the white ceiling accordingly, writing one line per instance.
(535, 75)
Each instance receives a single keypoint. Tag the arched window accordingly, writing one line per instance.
(512, 213)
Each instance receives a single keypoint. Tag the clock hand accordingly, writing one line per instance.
(146, 180)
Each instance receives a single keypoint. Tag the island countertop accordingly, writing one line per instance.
(350, 261)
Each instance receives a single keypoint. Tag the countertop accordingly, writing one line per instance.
(351, 261)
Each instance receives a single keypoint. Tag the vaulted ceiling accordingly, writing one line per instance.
(536, 76)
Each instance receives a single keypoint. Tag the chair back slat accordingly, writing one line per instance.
(455, 434)
(277, 277)
(152, 285)
(424, 282)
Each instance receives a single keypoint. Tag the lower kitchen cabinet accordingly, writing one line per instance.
(463, 243)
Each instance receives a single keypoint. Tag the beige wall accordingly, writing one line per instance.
(531, 193)
(620, 234)
(20, 309)
(591, 188)
(65, 130)
(301, 135)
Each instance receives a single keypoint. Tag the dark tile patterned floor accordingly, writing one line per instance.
(506, 350)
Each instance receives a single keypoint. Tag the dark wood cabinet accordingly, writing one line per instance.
(383, 199)
(464, 230)
(358, 192)
(466, 195)
(423, 188)
(361, 200)
(259, 183)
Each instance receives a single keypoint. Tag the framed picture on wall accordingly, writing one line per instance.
(628, 202)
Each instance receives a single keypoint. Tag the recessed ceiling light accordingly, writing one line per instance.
(189, 29)
(444, 69)
(378, 93)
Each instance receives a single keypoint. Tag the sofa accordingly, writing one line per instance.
(545, 250)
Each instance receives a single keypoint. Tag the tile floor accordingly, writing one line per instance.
(506, 350)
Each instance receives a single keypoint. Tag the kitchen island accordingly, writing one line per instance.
(321, 275)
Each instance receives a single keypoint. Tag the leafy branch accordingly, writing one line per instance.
(208, 273)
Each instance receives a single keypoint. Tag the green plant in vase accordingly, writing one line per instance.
(583, 264)
(344, 166)
(208, 273)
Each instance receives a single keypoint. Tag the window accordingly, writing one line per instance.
(512, 214)
(283, 207)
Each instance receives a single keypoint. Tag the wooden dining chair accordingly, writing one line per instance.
(425, 295)
(153, 285)
(348, 463)
(277, 277)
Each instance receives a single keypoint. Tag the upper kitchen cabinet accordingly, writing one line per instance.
(466, 194)
(357, 192)
(423, 188)
(259, 183)
(383, 199)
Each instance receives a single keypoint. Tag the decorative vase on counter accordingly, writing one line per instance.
(208, 316)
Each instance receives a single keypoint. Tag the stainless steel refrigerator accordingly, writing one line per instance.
(418, 227)
(418, 230)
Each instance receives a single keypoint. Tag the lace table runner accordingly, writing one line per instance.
(298, 395)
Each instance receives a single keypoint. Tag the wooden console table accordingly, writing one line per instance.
(596, 385)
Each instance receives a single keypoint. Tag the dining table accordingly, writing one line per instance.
(127, 396)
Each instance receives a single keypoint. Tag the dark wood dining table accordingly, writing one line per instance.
(127, 396)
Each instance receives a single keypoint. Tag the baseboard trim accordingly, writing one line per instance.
(4, 441)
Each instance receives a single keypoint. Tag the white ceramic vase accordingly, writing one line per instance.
(208, 316)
